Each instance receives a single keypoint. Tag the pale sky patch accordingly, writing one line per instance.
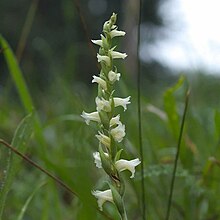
(192, 39)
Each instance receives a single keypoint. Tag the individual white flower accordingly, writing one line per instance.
(102, 104)
(104, 139)
(113, 76)
(116, 33)
(93, 116)
(102, 197)
(115, 121)
(97, 42)
(100, 81)
(127, 165)
(122, 102)
(118, 133)
(97, 158)
(103, 58)
(117, 55)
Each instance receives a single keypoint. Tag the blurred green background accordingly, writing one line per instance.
(50, 40)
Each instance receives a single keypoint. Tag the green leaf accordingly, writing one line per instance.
(22, 88)
(16, 75)
(21, 136)
(117, 199)
(118, 155)
(170, 107)
(25, 206)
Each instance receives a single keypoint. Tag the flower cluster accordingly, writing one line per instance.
(112, 131)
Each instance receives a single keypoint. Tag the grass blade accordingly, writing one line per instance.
(21, 136)
(177, 157)
(170, 107)
(139, 116)
(17, 76)
(26, 28)
(25, 206)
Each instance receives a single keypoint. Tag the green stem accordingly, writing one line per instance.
(124, 216)
(177, 157)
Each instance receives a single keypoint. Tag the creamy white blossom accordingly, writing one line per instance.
(102, 197)
(102, 104)
(97, 158)
(117, 55)
(122, 102)
(97, 42)
(103, 139)
(127, 165)
(113, 76)
(93, 116)
(103, 58)
(100, 81)
(118, 133)
(115, 121)
(116, 33)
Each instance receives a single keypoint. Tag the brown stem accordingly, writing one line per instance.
(38, 167)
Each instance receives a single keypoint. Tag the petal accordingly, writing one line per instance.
(122, 165)
(102, 104)
(101, 58)
(113, 76)
(117, 55)
(118, 133)
(102, 197)
(116, 33)
(100, 81)
(115, 121)
(97, 42)
(93, 116)
(97, 158)
(104, 139)
(122, 102)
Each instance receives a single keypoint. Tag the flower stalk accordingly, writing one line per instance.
(111, 130)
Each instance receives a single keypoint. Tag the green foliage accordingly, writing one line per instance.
(20, 139)
(171, 107)
(17, 75)
(24, 208)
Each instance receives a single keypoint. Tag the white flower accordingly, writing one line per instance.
(118, 133)
(127, 165)
(122, 102)
(97, 158)
(102, 197)
(103, 58)
(93, 116)
(115, 121)
(104, 139)
(102, 104)
(97, 42)
(100, 81)
(116, 33)
(117, 55)
(113, 76)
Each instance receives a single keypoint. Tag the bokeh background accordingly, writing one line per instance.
(51, 42)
